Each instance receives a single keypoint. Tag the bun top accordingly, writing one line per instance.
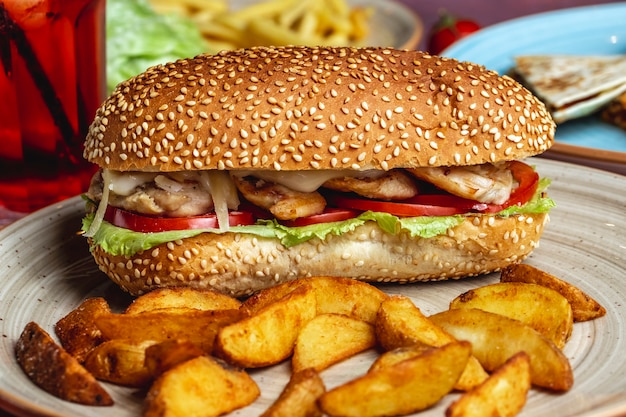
(304, 108)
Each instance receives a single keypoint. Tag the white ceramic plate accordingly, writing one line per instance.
(393, 24)
(46, 271)
(591, 30)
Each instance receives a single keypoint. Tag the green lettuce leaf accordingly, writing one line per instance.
(118, 241)
(537, 204)
(138, 38)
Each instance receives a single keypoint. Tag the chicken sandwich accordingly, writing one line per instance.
(241, 170)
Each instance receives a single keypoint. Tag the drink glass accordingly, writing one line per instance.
(52, 80)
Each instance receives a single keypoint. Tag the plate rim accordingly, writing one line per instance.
(73, 206)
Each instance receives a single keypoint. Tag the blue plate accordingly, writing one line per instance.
(591, 30)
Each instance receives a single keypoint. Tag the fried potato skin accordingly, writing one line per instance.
(401, 323)
(162, 356)
(330, 338)
(495, 338)
(391, 357)
(200, 327)
(77, 331)
(503, 394)
(584, 307)
(542, 308)
(267, 337)
(121, 362)
(199, 387)
(405, 387)
(299, 397)
(338, 295)
(54, 370)
(182, 297)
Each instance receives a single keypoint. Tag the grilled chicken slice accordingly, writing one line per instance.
(284, 203)
(486, 183)
(392, 185)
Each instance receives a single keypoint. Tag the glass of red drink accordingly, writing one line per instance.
(52, 80)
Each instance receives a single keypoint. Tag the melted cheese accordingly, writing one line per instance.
(123, 183)
(305, 181)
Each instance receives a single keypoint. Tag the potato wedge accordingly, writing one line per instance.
(503, 394)
(583, 306)
(330, 338)
(77, 331)
(54, 370)
(160, 357)
(406, 387)
(199, 387)
(496, 338)
(269, 336)
(175, 297)
(334, 295)
(200, 327)
(299, 398)
(121, 362)
(542, 308)
(391, 357)
(401, 323)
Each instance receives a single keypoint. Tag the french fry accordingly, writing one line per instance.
(400, 323)
(273, 22)
(199, 327)
(182, 297)
(200, 387)
(408, 386)
(496, 338)
(346, 296)
(330, 338)
(299, 398)
(265, 31)
(54, 370)
(584, 307)
(121, 362)
(267, 337)
(542, 308)
(503, 394)
(77, 331)
(159, 357)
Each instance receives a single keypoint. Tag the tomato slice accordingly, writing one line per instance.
(528, 180)
(444, 204)
(329, 215)
(432, 205)
(150, 224)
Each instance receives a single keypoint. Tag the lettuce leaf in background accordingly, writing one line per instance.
(138, 37)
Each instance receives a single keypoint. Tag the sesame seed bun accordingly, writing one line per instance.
(239, 265)
(301, 108)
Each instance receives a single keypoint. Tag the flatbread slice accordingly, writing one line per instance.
(573, 86)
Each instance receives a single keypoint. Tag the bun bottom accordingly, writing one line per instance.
(239, 264)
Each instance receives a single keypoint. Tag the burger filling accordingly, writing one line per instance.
(297, 195)
(135, 211)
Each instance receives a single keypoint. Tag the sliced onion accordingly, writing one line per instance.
(224, 194)
(107, 178)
